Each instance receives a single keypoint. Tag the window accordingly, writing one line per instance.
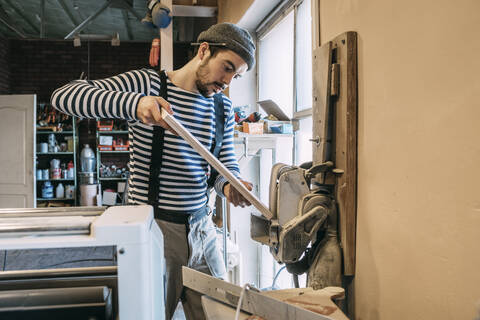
(275, 65)
(285, 69)
(303, 53)
(285, 76)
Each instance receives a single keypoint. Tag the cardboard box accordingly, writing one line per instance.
(106, 140)
(277, 127)
(253, 128)
(283, 125)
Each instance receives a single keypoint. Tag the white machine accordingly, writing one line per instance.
(136, 276)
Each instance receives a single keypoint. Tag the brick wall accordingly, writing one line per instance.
(41, 66)
(4, 67)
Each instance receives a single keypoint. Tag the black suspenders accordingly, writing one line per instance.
(158, 140)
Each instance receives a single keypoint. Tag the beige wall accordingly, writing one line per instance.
(418, 251)
(232, 10)
(418, 242)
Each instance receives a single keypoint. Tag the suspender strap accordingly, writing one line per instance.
(219, 124)
(219, 130)
(157, 151)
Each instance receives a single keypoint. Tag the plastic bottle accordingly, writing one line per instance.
(60, 191)
(87, 159)
(47, 190)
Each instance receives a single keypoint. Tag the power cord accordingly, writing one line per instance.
(240, 299)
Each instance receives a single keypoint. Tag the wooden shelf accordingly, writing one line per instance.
(55, 199)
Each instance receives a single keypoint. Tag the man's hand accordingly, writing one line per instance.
(234, 197)
(149, 111)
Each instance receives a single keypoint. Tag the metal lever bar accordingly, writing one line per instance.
(214, 162)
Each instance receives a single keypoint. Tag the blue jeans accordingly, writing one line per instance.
(193, 245)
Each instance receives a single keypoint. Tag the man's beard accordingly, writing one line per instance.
(202, 87)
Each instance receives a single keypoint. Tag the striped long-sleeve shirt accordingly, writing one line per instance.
(183, 174)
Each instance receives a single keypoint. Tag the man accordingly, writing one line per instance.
(225, 52)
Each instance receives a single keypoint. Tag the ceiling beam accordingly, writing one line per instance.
(8, 22)
(42, 17)
(67, 11)
(127, 24)
(82, 25)
(22, 15)
(129, 8)
(194, 11)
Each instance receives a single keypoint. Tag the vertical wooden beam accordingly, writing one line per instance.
(346, 146)
(166, 42)
(322, 60)
(315, 11)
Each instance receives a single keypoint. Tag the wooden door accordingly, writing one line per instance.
(17, 151)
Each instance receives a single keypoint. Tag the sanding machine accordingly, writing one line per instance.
(81, 263)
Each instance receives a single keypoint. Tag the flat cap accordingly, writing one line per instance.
(235, 38)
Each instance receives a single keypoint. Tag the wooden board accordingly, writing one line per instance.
(261, 304)
(214, 162)
(346, 146)
(166, 42)
(322, 59)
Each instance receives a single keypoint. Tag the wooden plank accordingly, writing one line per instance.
(215, 310)
(315, 12)
(255, 302)
(322, 59)
(346, 146)
(214, 162)
(166, 42)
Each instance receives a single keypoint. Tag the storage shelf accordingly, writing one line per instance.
(55, 153)
(54, 132)
(67, 134)
(106, 152)
(112, 179)
(113, 132)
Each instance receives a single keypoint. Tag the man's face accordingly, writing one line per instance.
(215, 73)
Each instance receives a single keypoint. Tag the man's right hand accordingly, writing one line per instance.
(149, 111)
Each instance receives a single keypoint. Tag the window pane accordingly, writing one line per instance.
(304, 56)
(303, 146)
(275, 65)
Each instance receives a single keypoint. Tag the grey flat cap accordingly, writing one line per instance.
(235, 38)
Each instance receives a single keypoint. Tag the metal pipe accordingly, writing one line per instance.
(82, 25)
(52, 273)
(20, 227)
(50, 212)
(225, 230)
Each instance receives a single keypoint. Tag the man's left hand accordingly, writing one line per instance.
(234, 197)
